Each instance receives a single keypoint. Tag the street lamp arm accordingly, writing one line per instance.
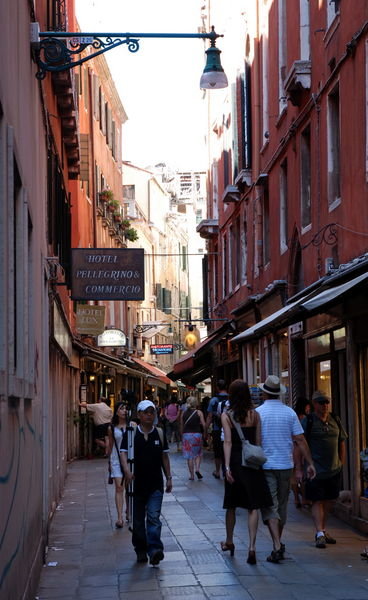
(56, 51)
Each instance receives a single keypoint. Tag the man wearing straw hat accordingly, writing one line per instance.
(281, 429)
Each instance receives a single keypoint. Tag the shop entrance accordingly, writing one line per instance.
(329, 375)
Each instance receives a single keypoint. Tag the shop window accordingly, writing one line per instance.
(319, 345)
(323, 376)
(333, 147)
(339, 336)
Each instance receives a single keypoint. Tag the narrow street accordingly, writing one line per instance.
(89, 558)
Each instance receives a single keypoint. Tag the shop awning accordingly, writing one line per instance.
(277, 318)
(107, 360)
(157, 376)
(304, 307)
(195, 366)
(154, 330)
(332, 294)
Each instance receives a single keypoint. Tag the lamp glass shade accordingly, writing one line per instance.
(213, 80)
(213, 76)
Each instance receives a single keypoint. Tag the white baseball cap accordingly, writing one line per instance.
(144, 404)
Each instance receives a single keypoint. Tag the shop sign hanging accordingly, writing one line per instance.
(90, 319)
(161, 348)
(112, 337)
(107, 274)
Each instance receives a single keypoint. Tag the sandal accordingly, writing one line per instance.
(215, 475)
(225, 547)
(119, 524)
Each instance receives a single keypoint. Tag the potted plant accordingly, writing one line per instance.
(131, 234)
(117, 217)
(106, 195)
(113, 205)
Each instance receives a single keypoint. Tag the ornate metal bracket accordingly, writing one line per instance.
(142, 328)
(327, 235)
(56, 51)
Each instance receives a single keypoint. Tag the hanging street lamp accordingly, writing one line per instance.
(56, 51)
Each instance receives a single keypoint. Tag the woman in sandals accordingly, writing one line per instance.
(116, 431)
(192, 429)
(244, 487)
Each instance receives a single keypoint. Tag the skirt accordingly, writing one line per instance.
(192, 445)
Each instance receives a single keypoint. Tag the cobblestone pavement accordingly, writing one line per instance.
(89, 559)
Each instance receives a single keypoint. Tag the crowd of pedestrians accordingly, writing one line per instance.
(302, 450)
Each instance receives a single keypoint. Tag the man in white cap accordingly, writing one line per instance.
(150, 457)
(281, 429)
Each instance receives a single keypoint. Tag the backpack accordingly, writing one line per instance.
(218, 409)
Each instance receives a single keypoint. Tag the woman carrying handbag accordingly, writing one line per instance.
(245, 487)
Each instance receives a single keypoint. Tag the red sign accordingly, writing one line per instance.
(161, 348)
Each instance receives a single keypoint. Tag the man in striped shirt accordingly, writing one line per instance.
(281, 429)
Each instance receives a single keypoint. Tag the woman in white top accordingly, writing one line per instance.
(116, 431)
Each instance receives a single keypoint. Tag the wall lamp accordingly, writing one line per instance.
(56, 51)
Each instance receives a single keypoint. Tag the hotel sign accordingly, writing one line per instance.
(90, 319)
(108, 274)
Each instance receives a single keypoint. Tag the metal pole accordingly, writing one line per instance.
(130, 490)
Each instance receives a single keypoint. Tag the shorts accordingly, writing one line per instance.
(279, 484)
(101, 431)
(323, 489)
(217, 444)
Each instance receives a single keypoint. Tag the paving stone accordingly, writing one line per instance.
(97, 562)
(235, 592)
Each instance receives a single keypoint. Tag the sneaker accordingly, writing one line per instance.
(329, 539)
(275, 556)
(156, 557)
(141, 557)
(320, 541)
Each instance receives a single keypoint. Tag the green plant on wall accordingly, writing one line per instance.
(131, 234)
(106, 195)
(113, 205)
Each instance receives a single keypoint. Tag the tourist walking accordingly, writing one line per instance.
(115, 432)
(172, 414)
(193, 430)
(281, 429)
(326, 439)
(244, 487)
(150, 459)
(214, 419)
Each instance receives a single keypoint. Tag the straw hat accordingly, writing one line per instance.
(272, 386)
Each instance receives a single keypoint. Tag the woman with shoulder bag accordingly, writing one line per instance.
(192, 429)
(245, 487)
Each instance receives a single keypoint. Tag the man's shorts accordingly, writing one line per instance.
(101, 431)
(279, 484)
(323, 489)
(217, 444)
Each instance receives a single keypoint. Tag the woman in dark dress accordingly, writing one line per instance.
(244, 487)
